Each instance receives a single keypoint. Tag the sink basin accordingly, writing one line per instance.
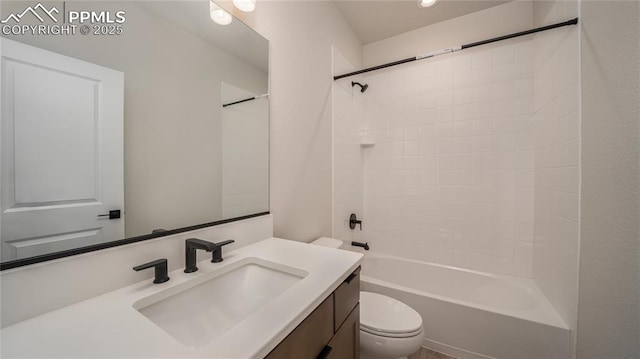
(200, 310)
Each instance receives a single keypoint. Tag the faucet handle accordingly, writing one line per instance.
(216, 256)
(353, 220)
(161, 271)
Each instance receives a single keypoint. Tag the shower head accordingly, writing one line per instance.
(363, 88)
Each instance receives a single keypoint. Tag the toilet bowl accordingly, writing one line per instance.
(389, 329)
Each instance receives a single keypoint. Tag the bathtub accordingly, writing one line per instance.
(470, 314)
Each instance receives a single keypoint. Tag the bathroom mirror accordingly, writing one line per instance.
(113, 125)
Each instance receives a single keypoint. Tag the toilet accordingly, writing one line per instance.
(389, 329)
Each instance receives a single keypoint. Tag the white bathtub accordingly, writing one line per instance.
(471, 314)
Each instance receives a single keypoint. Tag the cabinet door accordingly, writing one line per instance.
(346, 297)
(310, 337)
(346, 343)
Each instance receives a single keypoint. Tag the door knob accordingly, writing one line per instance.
(115, 214)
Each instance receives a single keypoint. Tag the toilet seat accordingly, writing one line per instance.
(387, 317)
(391, 335)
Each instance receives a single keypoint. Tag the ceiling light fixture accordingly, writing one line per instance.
(218, 15)
(245, 5)
(426, 3)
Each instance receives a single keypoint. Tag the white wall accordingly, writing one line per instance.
(172, 135)
(450, 178)
(481, 25)
(301, 35)
(609, 300)
(557, 160)
(348, 166)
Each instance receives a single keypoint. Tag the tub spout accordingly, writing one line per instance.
(364, 245)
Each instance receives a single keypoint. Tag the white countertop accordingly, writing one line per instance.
(108, 326)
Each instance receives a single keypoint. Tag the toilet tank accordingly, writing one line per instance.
(328, 242)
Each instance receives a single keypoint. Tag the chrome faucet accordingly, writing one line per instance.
(192, 244)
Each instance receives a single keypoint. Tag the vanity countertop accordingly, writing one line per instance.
(108, 326)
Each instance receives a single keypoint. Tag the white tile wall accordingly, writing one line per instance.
(557, 160)
(450, 178)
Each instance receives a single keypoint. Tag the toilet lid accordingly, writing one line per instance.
(379, 313)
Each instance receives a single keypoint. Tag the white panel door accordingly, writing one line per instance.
(62, 152)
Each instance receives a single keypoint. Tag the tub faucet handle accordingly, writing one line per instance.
(353, 220)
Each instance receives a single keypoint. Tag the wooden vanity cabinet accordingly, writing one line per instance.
(346, 342)
(310, 337)
(332, 330)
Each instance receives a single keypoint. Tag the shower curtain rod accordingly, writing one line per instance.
(458, 48)
(245, 100)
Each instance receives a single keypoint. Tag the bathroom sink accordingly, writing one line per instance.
(198, 311)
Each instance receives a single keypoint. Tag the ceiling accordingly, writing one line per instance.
(374, 20)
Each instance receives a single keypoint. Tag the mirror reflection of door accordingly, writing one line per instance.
(62, 152)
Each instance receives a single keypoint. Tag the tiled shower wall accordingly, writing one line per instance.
(450, 178)
(557, 146)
